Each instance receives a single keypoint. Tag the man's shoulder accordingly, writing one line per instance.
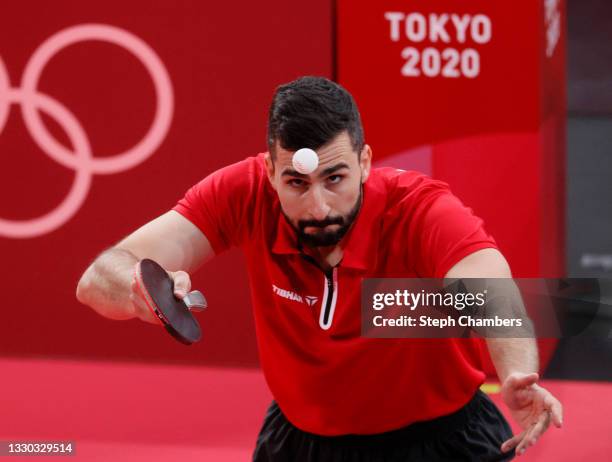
(248, 173)
(405, 187)
(239, 181)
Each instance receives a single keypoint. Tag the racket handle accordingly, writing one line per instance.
(195, 301)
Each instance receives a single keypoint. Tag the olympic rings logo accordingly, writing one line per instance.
(81, 158)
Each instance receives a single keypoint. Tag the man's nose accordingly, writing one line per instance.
(317, 206)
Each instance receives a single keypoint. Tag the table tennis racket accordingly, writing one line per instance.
(175, 315)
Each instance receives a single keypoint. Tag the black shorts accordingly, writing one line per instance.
(473, 433)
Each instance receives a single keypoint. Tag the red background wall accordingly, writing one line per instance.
(224, 61)
(494, 138)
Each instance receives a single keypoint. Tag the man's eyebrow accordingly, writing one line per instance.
(327, 171)
(333, 168)
(292, 172)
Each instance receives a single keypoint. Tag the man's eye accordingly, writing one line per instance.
(296, 183)
(335, 179)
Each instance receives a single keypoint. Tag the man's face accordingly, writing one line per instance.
(321, 206)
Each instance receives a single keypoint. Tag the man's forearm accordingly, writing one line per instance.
(510, 354)
(513, 355)
(105, 285)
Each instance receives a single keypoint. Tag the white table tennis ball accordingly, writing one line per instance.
(305, 161)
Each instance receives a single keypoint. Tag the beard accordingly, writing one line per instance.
(322, 238)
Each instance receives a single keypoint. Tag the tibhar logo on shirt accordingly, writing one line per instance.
(288, 294)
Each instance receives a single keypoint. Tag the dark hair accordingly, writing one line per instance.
(311, 111)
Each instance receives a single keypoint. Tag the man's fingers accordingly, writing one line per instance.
(526, 441)
(143, 312)
(134, 284)
(510, 444)
(534, 432)
(528, 437)
(523, 445)
(182, 283)
(540, 427)
(556, 410)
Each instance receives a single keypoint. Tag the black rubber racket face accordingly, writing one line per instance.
(174, 314)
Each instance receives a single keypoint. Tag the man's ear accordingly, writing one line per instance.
(365, 162)
(269, 168)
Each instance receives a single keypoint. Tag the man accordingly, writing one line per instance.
(309, 239)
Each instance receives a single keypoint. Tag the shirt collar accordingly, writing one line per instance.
(359, 245)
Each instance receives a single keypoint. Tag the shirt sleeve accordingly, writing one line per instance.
(221, 204)
(441, 229)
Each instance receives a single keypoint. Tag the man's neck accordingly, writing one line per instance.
(326, 257)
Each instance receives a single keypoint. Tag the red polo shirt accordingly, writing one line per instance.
(325, 377)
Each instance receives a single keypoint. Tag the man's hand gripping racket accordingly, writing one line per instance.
(168, 298)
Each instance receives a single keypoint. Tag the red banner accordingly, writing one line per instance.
(472, 93)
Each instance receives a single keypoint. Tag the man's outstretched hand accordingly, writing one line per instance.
(533, 408)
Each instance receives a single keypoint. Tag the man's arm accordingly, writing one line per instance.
(171, 240)
(516, 362)
(508, 354)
